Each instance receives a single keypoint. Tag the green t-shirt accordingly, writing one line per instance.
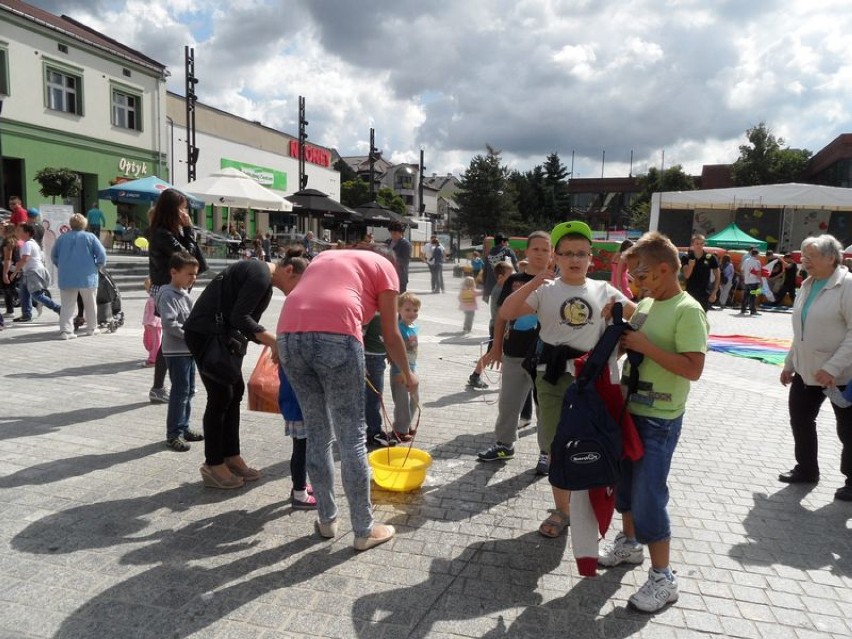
(373, 343)
(678, 325)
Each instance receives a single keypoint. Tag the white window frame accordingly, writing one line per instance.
(56, 94)
(119, 111)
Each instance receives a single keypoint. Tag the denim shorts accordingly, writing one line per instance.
(642, 489)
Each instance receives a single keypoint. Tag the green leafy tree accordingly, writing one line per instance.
(347, 173)
(673, 178)
(54, 183)
(765, 159)
(392, 200)
(485, 203)
(354, 193)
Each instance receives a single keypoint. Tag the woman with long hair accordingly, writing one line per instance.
(170, 232)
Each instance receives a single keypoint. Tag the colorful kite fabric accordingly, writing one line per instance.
(765, 349)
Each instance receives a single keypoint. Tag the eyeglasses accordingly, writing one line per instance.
(580, 255)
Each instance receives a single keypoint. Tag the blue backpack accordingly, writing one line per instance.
(586, 450)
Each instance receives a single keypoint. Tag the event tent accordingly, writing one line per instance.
(733, 237)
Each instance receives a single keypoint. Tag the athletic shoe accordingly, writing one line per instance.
(27, 318)
(158, 396)
(498, 452)
(381, 439)
(654, 593)
(619, 551)
(400, 438)
(65, 335)
(543, 465)
(476, 383)
(193, 435)
(39, 309)
(523, 422)
(94, 331)
(177, 444)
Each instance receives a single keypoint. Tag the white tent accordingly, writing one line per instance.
(231, 187)
(789, 198)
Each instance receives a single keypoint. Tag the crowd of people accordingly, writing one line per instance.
(347, 313)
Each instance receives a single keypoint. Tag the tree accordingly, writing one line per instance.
(392, 200)
(55, 183)
(347, 173)
(557, 200)
(485, 203)
(673, 178)
(354, 193)
(765, 160)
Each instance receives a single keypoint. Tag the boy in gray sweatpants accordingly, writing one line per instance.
(519, 343)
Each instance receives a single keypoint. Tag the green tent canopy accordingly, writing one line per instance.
(733, 237)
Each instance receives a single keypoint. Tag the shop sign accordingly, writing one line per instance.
(132, 168)
(320, 157)
(270, 178)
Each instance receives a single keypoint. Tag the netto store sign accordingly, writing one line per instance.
(270, 178)
(313, 155)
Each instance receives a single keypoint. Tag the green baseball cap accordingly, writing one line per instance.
(575, 226)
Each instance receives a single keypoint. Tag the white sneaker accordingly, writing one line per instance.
(654, 593)
(39, 307)
(67, 336)
(619, 551)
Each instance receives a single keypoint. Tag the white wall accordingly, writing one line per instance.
(212, 149)
(28, 52)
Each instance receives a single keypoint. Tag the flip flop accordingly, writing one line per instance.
(554, 525)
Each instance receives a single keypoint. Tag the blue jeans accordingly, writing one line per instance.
(642, 489)
(375, 366)
(42, 298)
(26, 300)
(182, 376)
(327, 373)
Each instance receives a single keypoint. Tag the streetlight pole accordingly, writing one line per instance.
(2, 171)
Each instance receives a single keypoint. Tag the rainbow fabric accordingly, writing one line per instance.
(765, 349)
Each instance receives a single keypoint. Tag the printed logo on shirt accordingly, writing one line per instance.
(646, 395)
(576, 312)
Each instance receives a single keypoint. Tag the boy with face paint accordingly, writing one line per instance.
(673, 340)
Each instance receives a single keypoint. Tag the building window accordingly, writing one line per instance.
(64, 92)
(4, 72)
(126, 110)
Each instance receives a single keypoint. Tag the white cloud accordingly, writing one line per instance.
(527, 76)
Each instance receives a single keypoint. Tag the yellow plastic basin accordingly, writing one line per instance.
(390, 473)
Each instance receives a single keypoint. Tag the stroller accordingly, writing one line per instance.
(110, 315)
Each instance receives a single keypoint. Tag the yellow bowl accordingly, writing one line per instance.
(390, 473)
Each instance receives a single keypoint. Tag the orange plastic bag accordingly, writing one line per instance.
(263, 384)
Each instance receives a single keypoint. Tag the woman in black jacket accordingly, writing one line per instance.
(170, 232)
(239, 295)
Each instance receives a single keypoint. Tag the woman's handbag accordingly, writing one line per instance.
(222, 357)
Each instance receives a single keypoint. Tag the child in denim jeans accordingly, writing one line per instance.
(673, 339)
(174, 306)
(405, 404)
(375, 362)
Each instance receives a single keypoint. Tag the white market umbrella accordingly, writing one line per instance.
(233, 188)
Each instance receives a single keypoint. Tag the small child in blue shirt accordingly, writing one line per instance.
(174, 306)
(405, 405)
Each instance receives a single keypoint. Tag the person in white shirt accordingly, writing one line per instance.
(751, 270)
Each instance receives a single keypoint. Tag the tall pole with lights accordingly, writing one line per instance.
(191, 99)
(421, 205)
(2, 172)
(375, 154)
(303, 136)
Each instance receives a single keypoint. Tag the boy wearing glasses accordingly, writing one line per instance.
(571, 313)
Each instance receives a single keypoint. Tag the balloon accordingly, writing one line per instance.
(141, 243)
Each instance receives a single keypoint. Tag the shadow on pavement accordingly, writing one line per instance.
(455, 588)
(105, 368)
(77, 466)
(15, 426)
(782, 531)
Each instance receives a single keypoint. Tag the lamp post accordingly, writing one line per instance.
(191, 98)
(303, 136)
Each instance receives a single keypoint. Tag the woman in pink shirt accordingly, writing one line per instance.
(321, 350)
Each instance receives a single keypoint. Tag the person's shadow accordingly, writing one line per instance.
(14, 426)
(780, 530)
(487, 577)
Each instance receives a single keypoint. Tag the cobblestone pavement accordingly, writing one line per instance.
(106, 533)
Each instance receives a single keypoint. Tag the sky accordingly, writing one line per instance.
(670, 81)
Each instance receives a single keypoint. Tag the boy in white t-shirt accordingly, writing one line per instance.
(572, 312)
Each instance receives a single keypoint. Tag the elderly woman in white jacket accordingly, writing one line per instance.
(820, 358)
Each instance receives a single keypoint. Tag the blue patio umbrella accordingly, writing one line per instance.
(141, 191)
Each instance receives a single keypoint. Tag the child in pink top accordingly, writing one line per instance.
(619, 277)
(153, 328)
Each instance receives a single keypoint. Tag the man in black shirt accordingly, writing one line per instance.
(697, 267)
(498, 253)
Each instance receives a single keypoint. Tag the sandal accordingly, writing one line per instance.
(555, 524)
(303, 504)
